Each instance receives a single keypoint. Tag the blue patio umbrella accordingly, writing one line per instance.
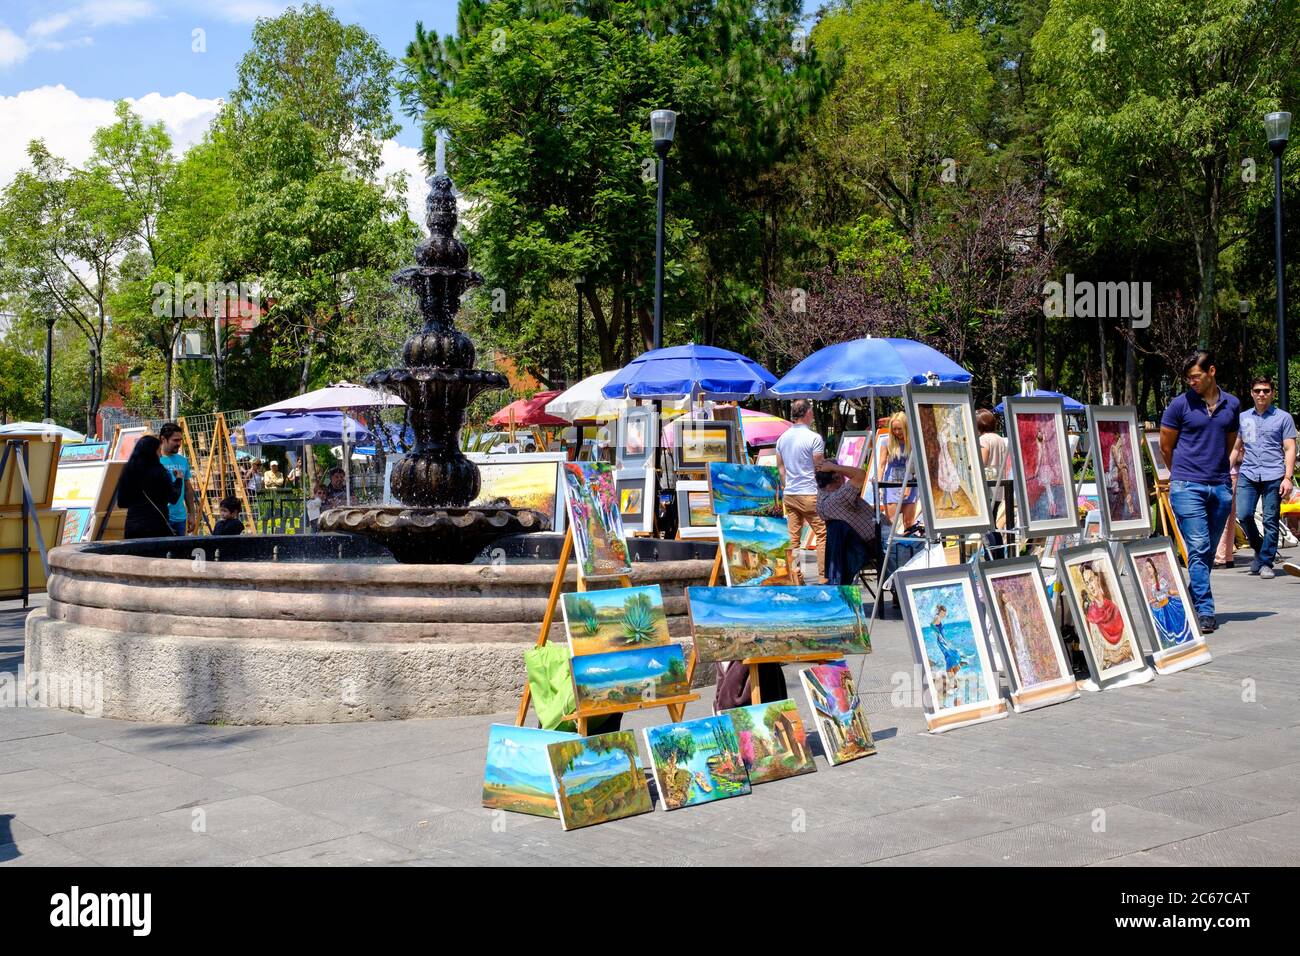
(1071, 405)
(316, 428)
(683, 371)
(867, 368)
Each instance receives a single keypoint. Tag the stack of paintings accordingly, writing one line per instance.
(838, 711)
(517, 776)
(773, 742)
(697, 761)
(815, 620)
(756, 550)
(597, 779)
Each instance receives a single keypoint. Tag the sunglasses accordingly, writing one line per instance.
(1260, 391)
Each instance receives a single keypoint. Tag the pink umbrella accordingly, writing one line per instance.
(760, 428)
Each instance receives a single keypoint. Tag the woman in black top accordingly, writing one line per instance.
(146, 489)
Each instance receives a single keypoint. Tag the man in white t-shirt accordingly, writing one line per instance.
(798, 452)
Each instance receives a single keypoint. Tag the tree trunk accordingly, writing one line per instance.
(1102, 359)
(1209, 262)
(603, 338)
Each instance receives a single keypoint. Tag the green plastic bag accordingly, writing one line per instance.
(551, 683)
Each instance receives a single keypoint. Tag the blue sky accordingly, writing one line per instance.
(64, 62)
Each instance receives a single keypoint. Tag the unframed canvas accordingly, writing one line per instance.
(732, 624)
(745, 489)
(1038, 669)
(949, 644)
(614, 619)
(1040, 456)
(837, 711)
(941, 424)
(756, 551)
(592, 502)
(598, 779)
(1176, 639)
(517, 774)
(773, 742)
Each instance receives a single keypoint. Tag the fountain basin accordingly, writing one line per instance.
(275, 629)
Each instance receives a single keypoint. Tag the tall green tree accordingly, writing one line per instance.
(20, 385)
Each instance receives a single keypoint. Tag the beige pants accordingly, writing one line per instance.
(1227, 549)
(801, 510)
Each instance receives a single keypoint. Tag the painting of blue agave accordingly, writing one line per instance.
(615, 619)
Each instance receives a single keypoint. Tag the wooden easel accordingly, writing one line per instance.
(1168, 520)
(676, 704)
(218, 471)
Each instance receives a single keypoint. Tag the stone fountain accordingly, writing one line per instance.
(435, 481)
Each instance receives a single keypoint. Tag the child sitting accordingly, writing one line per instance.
(229, 523)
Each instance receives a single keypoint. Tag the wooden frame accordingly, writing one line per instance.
(1125, 415)
(1011, 637)
(119, 450)
(1168, 656)
(1022, 406)
(556, 458)
(684, 425)
(41, 460)
(959, 399)
(685, 529)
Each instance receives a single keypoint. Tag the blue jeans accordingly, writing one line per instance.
(1248, 492)
(1202, 511)
(178, 528)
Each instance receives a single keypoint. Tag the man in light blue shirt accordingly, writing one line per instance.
(1265, 456)
(178, 513)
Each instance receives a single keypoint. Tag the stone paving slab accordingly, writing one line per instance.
(1194, 769)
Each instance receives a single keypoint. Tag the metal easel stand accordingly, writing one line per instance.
(18, 448)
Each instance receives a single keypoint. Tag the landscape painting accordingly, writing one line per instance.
(838, 712)
(83, 451)
(732, 624)
(525, 484)
(695, 518)
(615, 619)
(773, 743)
(77, 525)
(745, 489)
(606, 682)
(517, 776)
(700, 442)
(756, 550)
(592, 499)
(697, 761)
(598, 779)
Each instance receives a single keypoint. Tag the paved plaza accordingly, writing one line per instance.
(1199, 768)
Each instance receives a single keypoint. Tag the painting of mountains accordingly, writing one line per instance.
(517, 776)
(733, 624)
(773, 743)
(598, 779)
(745, 489)
(606, 681)
(757, 550)
(614, 619)
(697, 761)
(838, 712)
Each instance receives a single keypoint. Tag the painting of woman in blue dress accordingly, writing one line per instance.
(1167, 608)
(950, 645)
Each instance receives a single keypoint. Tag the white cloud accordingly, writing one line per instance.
(13, 48)
(66, 121)
(395, 157)
(246, 11)
(94, 13)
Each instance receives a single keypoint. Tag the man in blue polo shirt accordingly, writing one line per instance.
(1265, 452)
(1197, 432)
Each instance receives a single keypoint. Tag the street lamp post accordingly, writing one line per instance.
(49, 364)
(663, 123)
(1278, 127)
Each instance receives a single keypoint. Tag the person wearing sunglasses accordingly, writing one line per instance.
(1265, 453)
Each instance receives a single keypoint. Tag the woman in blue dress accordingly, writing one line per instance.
(953, 658)
(1167, 609)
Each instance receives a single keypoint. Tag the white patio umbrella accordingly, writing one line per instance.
(584, 402)
(41, 428)
(337, 397)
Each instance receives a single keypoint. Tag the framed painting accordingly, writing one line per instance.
(837, 711)
(605, 683)
(83, 451)
(1090, 580)
(77, 525)
(637, 436)
(1038, 669)
(1176, 639)
(614, 619)
(1151, 439)
(949, 644)
(1113, 434)
(854, 449)
(695, 518)
(812, 620)
(528, 480)
(732, 414)
(756, 551)
(124, 440)
(745, 490)
(697, 761)
(773, 743)
(517, 773)
(700, 441)
(636, 498)
(941, 421)
(592, 502)
(1040, 456)
(42, 464)
(597, 779)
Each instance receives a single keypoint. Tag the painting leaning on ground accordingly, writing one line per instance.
(517, 776)
(598, 779)
(697, 761)
(773, 742)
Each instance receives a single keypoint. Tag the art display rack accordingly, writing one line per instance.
(215, 470)
(16, 449)
(676, 704)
